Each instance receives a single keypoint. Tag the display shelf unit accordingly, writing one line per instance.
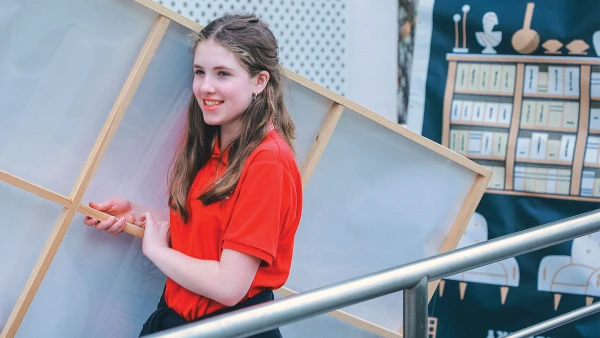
(557, 93)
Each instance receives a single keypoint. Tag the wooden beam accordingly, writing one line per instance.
(462, 219)
(348, 318)
(35, 189)
(582, 130)
(448, 96)
(320, 142)
(99, 215)
(172, 15)
(565, 60)
(66, 216)
(513, 133)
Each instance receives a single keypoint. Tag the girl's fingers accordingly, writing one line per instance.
(106, 223)
(117, 227)
(90, 221)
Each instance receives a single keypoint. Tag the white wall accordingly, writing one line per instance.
(372, 57)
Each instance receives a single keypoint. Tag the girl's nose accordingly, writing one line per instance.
(207, 86)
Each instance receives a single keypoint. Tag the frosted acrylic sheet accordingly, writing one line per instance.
(63, 64)
(135, 167)
(376, 200)
(26, 221)
(323, 326)
(308, 110)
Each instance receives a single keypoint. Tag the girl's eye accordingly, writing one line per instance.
(198, 72)
(222, 74)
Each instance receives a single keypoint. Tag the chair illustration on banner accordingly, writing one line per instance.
(577, 274)
(504, 273)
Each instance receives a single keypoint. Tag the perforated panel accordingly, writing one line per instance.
(311, 34)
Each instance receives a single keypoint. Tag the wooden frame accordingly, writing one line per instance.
(72, 203)
(583, 64)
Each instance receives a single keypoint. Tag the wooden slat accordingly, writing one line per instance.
(99, 215)
(448, 95)
(62, 224)
(462, 219)
(348, 318)
(514, 129)
(555, 196)
(172, 15)
(475, 92)
(35, 189)
(584, 121)
(567, 60)
(339, 99)
(320, 142)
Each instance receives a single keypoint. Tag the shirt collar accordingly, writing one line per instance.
(217, 151)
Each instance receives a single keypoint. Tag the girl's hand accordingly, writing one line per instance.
(121, 211)
(156, 234)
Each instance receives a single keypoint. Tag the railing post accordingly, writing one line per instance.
(415, 311)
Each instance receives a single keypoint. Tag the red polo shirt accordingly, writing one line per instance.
(259, 218)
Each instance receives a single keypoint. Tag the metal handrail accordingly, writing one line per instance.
(556, 321)
(250, 321)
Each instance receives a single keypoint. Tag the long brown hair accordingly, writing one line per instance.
(256, 48)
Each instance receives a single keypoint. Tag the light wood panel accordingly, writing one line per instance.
(513, 134)
(320, 142)
(448, 96)
(60, 227)
(584, 121)
(524, 58)
(461, 221)
(35, 189)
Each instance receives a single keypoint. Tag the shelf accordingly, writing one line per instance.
(550, 96)
(472, 92)
(594, 98)
(528, 160)
(558, 60)
(484, 157)
(558, 130)
(595, 132)
(591, 165)
(479, 124)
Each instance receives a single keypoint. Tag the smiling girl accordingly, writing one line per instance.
(235, 193)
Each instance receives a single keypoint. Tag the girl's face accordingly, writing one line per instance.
(222, 85)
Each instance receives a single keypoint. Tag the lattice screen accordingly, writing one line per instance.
(311, 34)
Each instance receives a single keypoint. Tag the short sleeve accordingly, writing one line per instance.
(256, 221)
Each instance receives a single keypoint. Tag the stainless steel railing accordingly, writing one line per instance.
(412, 278)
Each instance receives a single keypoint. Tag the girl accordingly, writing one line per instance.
(235, 193)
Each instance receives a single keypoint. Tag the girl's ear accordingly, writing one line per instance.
(261, 79)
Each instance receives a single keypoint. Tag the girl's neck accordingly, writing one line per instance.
(226, 134)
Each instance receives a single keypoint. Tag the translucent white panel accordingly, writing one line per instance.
(63, 64)
(97, 286)
(308, 110)
(323, 326)
(135, 166)
(26, 222)
(376, 200)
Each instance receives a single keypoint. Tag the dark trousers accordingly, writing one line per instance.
(166, 318)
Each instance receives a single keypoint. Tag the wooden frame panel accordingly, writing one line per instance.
(66, 216)
(73, 204)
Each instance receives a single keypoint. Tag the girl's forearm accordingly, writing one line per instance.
(204, 277)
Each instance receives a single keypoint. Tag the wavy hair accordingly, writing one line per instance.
(254, 44)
